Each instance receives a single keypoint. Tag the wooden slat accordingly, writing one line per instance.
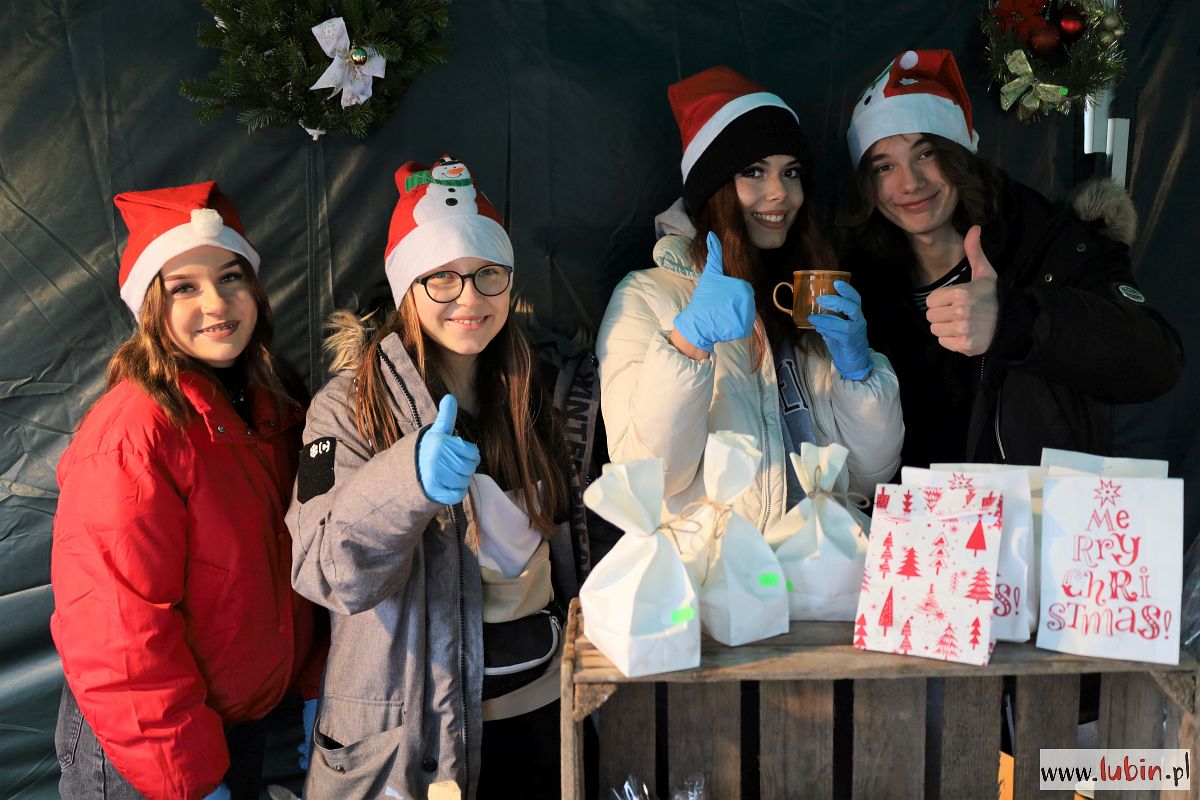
(970, 757)
(823, 651)
(627, 736)
(1132, 708)
(704, 723)
(889, 738)
(570, 732)
(1181, 733)
(1047, 717)
(796, 739)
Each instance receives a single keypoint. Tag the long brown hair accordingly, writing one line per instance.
(150, 360)
(516, 431)
(804, 248)
(976, 179)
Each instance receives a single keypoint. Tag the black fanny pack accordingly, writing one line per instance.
(517, 653)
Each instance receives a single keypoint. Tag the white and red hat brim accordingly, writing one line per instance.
(909, 113)
(440, 241)
(720, 120)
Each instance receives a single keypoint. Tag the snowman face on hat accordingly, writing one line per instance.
(450, 192)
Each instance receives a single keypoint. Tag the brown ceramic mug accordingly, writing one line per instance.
(807, 285)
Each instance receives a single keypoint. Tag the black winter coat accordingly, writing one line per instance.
(1074, 335)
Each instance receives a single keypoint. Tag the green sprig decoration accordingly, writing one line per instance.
(1073, 73)
(269, 58)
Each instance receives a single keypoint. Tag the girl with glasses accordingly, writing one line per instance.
(431, 518)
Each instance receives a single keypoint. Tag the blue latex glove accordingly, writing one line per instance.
(721, 308)
(444, 461)
(309, 718)
(220, 793)
(845, 338)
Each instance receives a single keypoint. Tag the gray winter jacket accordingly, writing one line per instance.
(399, 573)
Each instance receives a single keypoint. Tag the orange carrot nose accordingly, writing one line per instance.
(456, 171)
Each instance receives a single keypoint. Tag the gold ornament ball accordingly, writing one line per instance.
(1118, 32)
(358, 55)
(1110, 21)
(1107, 39)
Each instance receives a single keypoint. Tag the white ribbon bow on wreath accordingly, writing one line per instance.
(352, 69)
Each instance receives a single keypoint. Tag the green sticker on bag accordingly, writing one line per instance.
(790, 587)
(768, 579)
(682, 615)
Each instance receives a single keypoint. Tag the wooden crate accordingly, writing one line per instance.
(1141, 706)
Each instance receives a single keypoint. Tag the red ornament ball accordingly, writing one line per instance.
(1044, 41)
(1071, 23)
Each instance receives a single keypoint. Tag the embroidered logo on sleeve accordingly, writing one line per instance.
(1130, 293)
(315, 476)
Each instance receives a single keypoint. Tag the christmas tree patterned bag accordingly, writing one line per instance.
(1014, 606)
(821, 543)
(743, 596)
(639, 605)
(1112, 572)
(931, 572)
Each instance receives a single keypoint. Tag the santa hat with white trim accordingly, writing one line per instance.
(439, 217)
(164, 223)
(727, 122)
(921, 91)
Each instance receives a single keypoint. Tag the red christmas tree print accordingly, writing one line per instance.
(909, 568)
(906, 632)
(947, 645)
(885, 616)
(998, 519)
(981, 586)
(908, 502)
(860, 632)
(977, 542)
(939, 555)
(887, 554)
(929, 606)
(882, 499)
(989, 499)
(932, 495)
(975, 633)
(866, 581)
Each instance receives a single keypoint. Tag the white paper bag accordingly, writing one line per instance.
(743, 596)
(1014, 603)
(639, 605)
(1112, 571)
(821, 543)
(1068, 462)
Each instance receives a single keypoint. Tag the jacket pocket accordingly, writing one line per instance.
(67, 729)
(207, 600)
(366, 768)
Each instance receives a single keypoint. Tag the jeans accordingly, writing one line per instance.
(87, 774)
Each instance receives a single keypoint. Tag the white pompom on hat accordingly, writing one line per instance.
(920, 91)
(164, 223)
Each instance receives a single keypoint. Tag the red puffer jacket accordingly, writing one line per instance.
(171, 565)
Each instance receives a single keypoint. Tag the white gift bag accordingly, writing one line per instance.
(743, 596)
(1014, 602)
(1112, 573)
(821, 543)
(639, 605)
(1068, 462)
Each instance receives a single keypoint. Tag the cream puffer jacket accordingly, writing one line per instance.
(658, 403)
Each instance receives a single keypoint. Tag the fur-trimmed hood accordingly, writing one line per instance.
(1101, 199)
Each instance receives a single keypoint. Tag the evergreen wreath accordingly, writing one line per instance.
(270, 58)
(1051, 59)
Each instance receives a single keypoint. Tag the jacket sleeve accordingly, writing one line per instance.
(868, 421)
(119, 568)
(1089, 334)
(655, 400)
(352, 544)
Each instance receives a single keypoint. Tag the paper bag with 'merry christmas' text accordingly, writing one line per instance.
(639, 605)
(1112, 574)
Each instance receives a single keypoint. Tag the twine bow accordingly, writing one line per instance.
(681, 524)
(861, 502)
(1027, 89)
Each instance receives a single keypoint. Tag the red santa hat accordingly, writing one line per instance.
(166, 222)
(439, 217)
(921, 91)
(727, 122)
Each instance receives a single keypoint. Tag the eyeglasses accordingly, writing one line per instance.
(446, 286)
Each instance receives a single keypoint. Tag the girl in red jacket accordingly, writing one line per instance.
(174, 615)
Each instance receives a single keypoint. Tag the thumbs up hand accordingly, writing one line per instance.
(963, 316)
(445, 463)
(721, 308)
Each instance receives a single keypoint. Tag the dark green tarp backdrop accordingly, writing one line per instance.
(560, 109)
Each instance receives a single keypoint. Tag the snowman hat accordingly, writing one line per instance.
(921, 91)
(727, 122)
(166, 222)
(439, 217)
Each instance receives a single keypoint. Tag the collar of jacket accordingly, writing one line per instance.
(223, 422)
